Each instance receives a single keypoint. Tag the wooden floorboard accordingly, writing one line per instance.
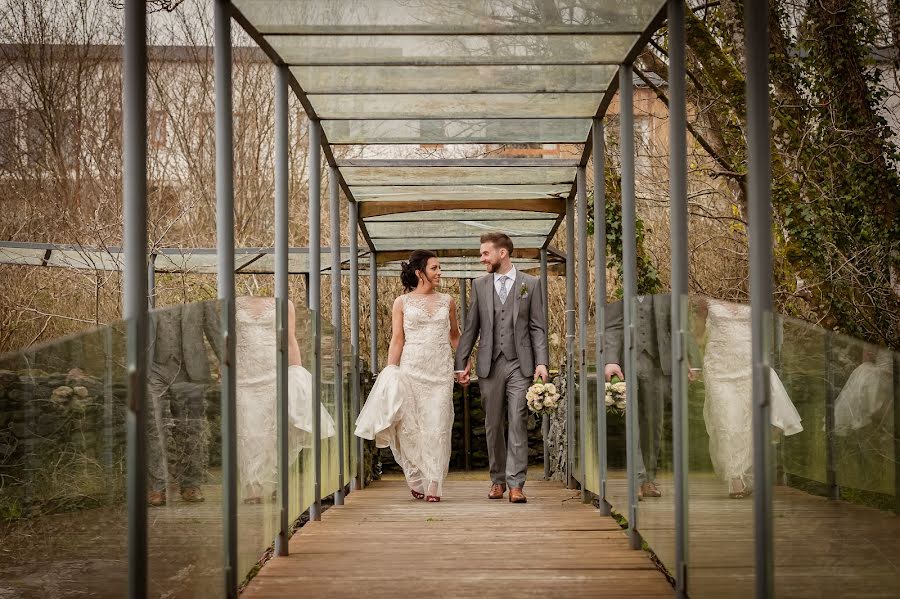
(383, 543)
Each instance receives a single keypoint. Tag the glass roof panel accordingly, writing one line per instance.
(459, 192)
(428, 16)
(458, 175)
(468, 242)
(455, 106)
(458, 79)
(451, 49)
(463, 228)
(22, 255)
(482, 215)
(448, 131)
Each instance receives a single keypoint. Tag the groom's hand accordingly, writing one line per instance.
(541, 372)
(613, 370)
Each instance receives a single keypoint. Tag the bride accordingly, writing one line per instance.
(256, 357)
(728, 409)
(410, 408)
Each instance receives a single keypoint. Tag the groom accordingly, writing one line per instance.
(507, 315)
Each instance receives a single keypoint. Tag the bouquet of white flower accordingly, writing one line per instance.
(542, 398)
(615, 395)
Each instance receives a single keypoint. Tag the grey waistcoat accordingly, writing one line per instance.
(504, 336)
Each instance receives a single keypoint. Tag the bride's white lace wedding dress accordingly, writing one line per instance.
(728, 409)
(410, 408)
(256, 399)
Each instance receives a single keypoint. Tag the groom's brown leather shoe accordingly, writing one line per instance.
(496, 492)
(517, 496)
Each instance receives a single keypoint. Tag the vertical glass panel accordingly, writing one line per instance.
(63, 518)
(652, 402)
(347, 415)
(257, 455)
(614, 349)
(330, 418)
(721, 448)
(835, 493)
(302, 466)
(590, 463)
(184, 457)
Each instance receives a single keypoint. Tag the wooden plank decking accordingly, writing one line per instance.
(383, 543)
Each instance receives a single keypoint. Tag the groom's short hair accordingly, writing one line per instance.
(500, 240)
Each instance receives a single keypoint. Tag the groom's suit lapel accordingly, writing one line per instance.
(489, 290)
(517, 287)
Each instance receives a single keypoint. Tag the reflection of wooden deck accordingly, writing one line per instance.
(822, 548)
(383, 543)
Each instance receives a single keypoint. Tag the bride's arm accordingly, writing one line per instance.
(454, 325)
(397, 339)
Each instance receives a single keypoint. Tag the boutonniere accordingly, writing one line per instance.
(523, 291)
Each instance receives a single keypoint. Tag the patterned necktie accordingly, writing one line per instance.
(503, 290)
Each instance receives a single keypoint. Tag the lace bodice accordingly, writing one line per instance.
(255, 326)
(426, 319)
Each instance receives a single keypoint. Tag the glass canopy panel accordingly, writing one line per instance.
(458, 192)
(455, 106)
(25, 256)
(451, 16)
(469, 242)
(463, 228)
(73, 258)
(451, 49)
(457, 175)
(456, 79)
(448, 131)
(450, 215)
(195, 262)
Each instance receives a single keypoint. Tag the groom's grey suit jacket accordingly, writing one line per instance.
(529, 324)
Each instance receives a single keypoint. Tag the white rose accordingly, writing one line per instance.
(535, 388)
(619, 388)
(621, 405)
(550, 387)
(609, 399)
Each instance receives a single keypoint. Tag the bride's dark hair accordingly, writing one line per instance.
(418, 260)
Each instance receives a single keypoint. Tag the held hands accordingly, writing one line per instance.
(464, 377)
(541, 373)
(613, 370)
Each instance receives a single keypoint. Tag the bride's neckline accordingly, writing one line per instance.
(414, 294)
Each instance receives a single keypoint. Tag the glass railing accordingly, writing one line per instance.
(63, 409)
(831, 453)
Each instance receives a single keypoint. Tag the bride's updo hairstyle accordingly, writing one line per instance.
(418, 260)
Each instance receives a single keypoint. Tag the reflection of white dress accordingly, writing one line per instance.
(410, 408)
(256, 395)
(728, 410)
(866, 391)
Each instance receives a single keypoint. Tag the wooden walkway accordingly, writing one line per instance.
(383, 543)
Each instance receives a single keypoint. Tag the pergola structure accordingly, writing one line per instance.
(388, 72)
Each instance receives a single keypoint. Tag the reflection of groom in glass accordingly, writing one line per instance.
(179, 376)
(653, 367)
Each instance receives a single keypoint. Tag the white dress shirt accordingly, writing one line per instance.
(509, 284)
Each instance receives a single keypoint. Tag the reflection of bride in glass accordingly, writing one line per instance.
(727, 376)
(257, 432)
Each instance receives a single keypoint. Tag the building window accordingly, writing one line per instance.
(642, 145)
(157, 129)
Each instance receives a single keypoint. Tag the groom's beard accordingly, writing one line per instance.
(492, 266)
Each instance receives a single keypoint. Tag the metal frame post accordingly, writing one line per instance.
(134, 308)
(759, 198)
(359, 478)
(315, 304)
(282, 218)
(467, 406)
(225, 285)
(570, 342)
(581, 217)
(545, 419)
(678, 212)
(373, 313)
(599, 153)
(629, 276)
(334, 217)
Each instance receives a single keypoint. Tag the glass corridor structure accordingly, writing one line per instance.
(389, 73)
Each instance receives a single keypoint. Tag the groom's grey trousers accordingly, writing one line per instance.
(508, 460)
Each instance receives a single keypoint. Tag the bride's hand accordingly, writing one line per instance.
(541, 372)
